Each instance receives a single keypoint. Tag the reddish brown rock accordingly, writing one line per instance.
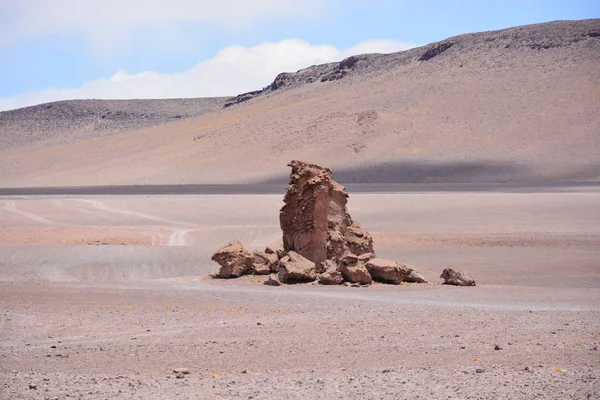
(276, 249)
(330, 274)
(264, 263)
(296, 268)
(314, 219)
(387, 271)
(234, 259)
(353, 270)
(456, 278)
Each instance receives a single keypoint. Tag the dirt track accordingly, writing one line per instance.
(119, 285)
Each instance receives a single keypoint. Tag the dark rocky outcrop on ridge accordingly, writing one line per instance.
(530, 37)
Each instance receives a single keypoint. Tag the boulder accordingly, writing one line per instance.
(272, 280)
(354, 271)
(264, 263)
(234, 259)
(330, 275)
(387, 271)
(415, 277)
(296, 268)
(456, 278)
(314, 219)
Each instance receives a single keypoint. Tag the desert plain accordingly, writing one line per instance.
(478, 153)
(104, 296)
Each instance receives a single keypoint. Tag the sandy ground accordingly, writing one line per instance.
(103, 296)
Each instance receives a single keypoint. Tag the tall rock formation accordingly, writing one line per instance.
(315, 221)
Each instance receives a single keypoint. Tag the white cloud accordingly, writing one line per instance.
(231, 71)
(104, 18)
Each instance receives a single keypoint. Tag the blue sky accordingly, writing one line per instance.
(62, 49)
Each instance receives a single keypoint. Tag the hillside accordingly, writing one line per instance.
(72, 120)
(516, 105)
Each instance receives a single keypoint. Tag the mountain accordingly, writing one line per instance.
(64, 121)
(515, 105)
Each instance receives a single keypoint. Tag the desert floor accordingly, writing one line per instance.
(103, 296)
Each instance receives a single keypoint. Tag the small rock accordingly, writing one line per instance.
(32, 386)
(296, 268)
(527, 369)
(330, 275)
(276, 249)
(496, 347)
(245, 371)
(264, 263)
(415, 277)
(387, 271)
(184, 371)
(456, 278)
(234, 259)
(479, 371)
(273, 280)
(355, 272)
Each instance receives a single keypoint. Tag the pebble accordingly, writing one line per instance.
(183, 371)
(479, 371)
(32, 386)
(496, 347)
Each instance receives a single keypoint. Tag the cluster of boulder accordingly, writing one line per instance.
(291, 267)
(321, 242)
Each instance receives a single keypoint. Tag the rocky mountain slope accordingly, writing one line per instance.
(61, 121)
(516, 105)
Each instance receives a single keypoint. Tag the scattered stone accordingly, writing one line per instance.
(184, 371)
(415, 277)
(264, 263)
(479, 371)
(387, 271)
(272, 280)
(276, 249)
(331, 275)
(356, 273)
(296, 268)
(315, 221)
(496, 347)
(234, 259)
(456, 278)
(32, 386)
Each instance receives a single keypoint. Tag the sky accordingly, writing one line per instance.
(120, 49)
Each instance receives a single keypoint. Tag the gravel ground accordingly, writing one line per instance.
(114, 321)
(244, 340)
